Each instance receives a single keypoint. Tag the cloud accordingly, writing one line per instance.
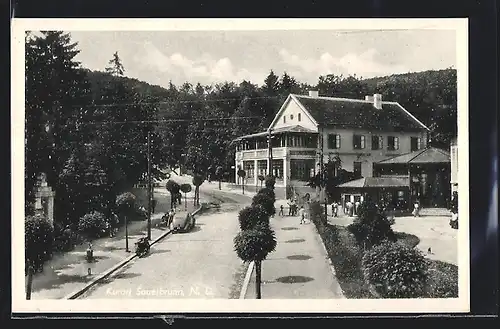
(363, 64)
(205, 67)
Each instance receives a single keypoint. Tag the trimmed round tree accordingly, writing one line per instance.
(241, 174)
(251, 216)
(197, 181)
(38, 240)
(261, 179)
(173, 188)
(254, 245)
(125, 204)
(265, 199)
(185, 188)
(270, 182)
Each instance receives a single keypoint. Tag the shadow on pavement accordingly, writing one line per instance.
(294, 279)
(295, 241)
(61, 280)
(299, 257)
(158, 251)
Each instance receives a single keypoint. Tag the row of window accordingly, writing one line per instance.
(299, 117)
(359, 142)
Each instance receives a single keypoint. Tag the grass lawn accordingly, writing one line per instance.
(424, 233)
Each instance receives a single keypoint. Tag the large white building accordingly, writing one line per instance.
(310, 128)
(454, 165)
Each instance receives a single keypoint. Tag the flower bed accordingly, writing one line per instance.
(346, 256)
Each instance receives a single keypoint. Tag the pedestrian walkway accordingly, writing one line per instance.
(299, 267)
(67, 272)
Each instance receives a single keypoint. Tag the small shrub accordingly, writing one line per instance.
(38, 239)
(250, 216)
(126, 203)
(65, 238)
(93, 225)
(266, 202)
(396, 271)
(443, 280)
(371, 227)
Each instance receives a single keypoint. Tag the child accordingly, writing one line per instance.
(282, 211)
(302, 215)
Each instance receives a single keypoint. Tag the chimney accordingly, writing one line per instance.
(313, 93)
(369, 98)
(377, 101)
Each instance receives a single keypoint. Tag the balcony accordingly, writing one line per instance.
(278, 152)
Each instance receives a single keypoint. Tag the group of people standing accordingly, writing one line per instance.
(294, 210)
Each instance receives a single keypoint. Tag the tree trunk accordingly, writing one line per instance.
(258, 278)
(30, 282)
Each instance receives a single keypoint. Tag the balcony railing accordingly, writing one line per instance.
(278, 152)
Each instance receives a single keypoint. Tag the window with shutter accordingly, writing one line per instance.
(359, 141)
(333, 141)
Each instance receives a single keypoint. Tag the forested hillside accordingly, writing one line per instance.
(88, 130)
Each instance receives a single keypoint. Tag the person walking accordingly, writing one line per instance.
(356, 206)
(282, 211)
(416, 209)
(335, 209)
(153, 205)
(302, 215)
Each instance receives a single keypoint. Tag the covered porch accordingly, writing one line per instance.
(293, 153)
(427, 171)
(390, 190)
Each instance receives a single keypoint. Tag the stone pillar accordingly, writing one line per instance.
(45, 195)
(285, 171)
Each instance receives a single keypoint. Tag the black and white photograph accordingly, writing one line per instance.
(240, 165)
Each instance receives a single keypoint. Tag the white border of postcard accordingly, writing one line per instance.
(20, 304)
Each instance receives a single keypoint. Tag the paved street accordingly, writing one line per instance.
(298, 268)
(67, 272)
(198, 264)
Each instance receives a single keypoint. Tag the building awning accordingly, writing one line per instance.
(427, 155)
(367, 182)
(281, 130)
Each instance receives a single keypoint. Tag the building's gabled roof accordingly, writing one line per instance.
(376, 182)
(427, 155)
(353, 113)
(292, 129)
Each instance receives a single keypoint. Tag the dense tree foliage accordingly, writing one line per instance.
(87, 130)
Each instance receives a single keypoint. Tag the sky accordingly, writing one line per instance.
(210, 57)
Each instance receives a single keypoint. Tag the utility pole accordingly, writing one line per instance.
(322, 173)
(149, 185)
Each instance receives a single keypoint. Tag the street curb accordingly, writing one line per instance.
(107, 273)
(332, 268)
(246, 281)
